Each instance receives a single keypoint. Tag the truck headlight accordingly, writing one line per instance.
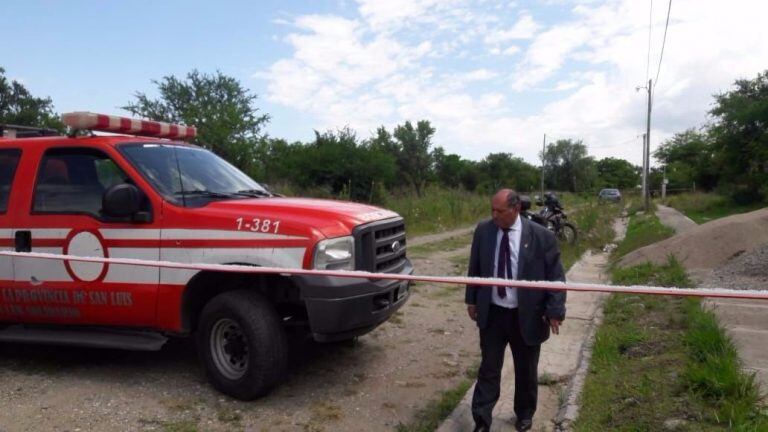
(335, 254)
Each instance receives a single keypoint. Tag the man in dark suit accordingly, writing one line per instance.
(511, 247)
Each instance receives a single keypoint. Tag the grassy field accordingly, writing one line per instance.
(642, 230)
(663, 363)
(704, 207)
(439, 209)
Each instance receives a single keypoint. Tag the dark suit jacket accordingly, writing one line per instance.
(538, 259)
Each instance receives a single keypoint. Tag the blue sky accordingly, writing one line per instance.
(491, 75)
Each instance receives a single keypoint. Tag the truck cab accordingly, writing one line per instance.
(146, 194)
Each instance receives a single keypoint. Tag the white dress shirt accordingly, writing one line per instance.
(516, 231)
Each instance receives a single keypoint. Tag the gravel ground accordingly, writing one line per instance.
(748, 270)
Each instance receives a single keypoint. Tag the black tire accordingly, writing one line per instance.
(242, 344)
(567, 233)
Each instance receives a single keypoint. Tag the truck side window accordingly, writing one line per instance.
(73, 180)
(9, 160)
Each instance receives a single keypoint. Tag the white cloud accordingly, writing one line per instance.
(511, 50)
(426, 59)
(479, 75)
(524, 28)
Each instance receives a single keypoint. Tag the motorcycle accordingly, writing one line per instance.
(551, 216)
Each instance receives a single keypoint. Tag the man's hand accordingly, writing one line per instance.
(472, 312)
(554, 324)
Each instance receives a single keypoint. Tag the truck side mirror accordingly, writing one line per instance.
(123, 200)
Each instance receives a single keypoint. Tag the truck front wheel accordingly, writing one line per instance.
(242, 344)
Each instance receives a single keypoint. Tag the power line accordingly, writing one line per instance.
(663, 43)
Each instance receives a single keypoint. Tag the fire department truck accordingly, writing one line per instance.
(144, 193)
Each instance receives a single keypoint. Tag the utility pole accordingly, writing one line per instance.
(644, 176)
(647, 146)
(543, 150)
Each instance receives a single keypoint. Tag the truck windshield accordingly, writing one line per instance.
(190, 176)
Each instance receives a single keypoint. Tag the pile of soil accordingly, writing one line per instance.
(710, 245)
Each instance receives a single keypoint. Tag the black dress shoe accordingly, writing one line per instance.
(481, 428)
(523, 425)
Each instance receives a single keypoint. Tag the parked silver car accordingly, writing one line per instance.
(609, 195)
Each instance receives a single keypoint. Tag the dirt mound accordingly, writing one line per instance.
(709, 245)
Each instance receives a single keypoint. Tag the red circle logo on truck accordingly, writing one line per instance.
(86, 244)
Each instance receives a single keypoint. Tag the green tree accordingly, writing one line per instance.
(504, 170)
(415, 161)
(740, 137)
(337, 161)
(688, 159)
(19, 107)
(616, 173)
(448, 168)
(568, 167)
(223, 111)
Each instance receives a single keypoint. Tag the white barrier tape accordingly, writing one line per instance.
(462, 280)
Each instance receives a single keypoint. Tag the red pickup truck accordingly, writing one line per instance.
(145, 194)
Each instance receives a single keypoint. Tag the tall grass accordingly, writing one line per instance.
(664, 358)
(594, 225)
(714, 372)
(438, 209)
(704, 207)
(642, 230)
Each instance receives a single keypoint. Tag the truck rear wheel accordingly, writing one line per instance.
(242, 344)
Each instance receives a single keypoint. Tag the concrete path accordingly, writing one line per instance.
(674, 219)
(745, 322)
(563, 363)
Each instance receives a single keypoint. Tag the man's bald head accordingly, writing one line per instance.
(505, 207)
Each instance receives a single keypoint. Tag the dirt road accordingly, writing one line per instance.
(376, 384)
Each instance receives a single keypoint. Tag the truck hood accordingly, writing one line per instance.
(332, 218)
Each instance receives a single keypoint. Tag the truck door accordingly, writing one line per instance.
(9, 161)
(65, 216)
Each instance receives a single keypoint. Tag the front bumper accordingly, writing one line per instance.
(342, 308)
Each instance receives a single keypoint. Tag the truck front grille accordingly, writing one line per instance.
(381, 246)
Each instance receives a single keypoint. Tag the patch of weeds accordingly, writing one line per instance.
(714, 372)
(704, 207)
(547, 379)
(446, 373)
(460, 264)
(179, 426)
(642, 230)
(410, 384)
(429, 418)
(671, 274)
(439, 292)
(326, 411)
(595, 230)
(657, 359)
(451, 243)
(396, 318)
(228, 415)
